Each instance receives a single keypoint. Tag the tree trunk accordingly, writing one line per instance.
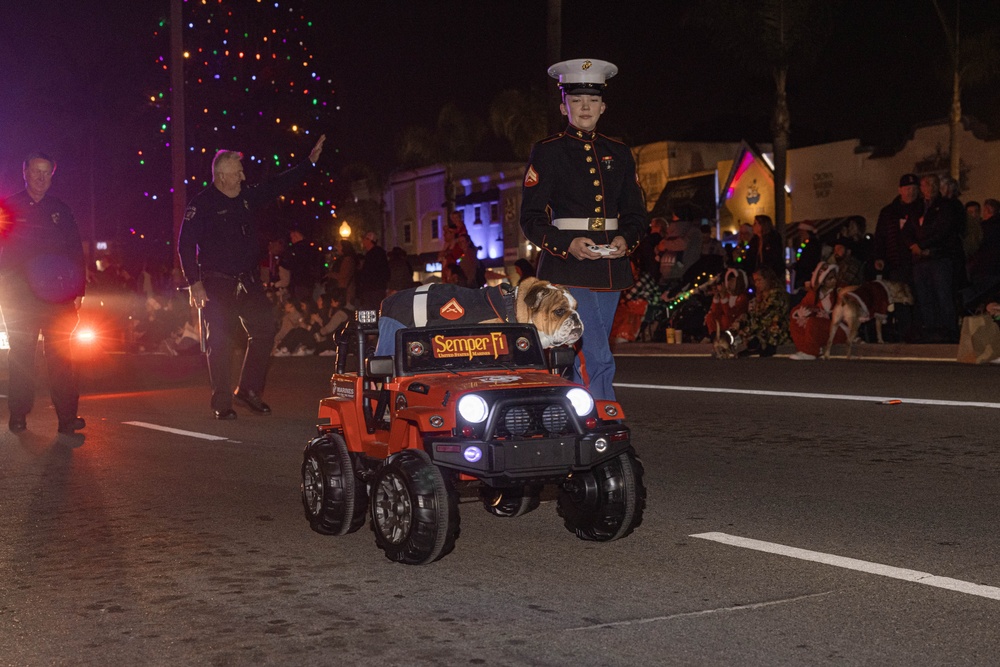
(955, 126)
(780, 126)
(553, 49)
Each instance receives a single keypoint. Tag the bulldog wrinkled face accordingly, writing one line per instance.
(556, 318)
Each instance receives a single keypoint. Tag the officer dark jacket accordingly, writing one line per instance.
(40, 249)
(220, 234)
(577, 174)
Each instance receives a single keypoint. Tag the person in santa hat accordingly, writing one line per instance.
(729, 304)
(810, 320)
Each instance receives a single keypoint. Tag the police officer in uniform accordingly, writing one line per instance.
(219, 252)
(44, 276)
(582, 205)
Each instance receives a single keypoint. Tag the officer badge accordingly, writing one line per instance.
(55, 218)
(608, 163)
(531, 177)
(189, 213)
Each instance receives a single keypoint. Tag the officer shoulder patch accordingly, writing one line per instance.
(189, 212)
(530, 177)
(452, 310)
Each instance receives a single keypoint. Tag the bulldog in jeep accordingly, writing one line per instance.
(480, 408)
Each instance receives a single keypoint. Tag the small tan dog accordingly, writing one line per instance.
(858, 304)
(550, 308)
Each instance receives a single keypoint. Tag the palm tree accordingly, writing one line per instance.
(775, 38)
(520, 118)
(973, 61)
(455, 138)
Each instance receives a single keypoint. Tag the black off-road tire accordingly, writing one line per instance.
(335, 501)
(606, 503)
(511, 502)
(414, 509)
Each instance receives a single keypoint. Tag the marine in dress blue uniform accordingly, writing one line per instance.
(581, 190)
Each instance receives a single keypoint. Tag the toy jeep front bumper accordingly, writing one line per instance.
(531, 460)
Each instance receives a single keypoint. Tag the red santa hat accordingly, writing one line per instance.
(741, 279)
(822, 272)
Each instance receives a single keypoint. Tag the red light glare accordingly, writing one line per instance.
(85, 335)
(467, 432)
(591, 423)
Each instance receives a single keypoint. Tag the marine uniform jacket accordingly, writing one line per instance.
(40, 249)
(221, 233)
(577, 174)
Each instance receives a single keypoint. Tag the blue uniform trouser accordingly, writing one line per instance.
(597, 312)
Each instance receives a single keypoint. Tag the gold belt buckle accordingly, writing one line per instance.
(595, 224)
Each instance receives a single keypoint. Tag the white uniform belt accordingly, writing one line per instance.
(587, 224)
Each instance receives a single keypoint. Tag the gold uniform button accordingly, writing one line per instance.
(596, 182)
(593, 170)
(586, 147)
(597, 210)
(590, 159)
(599, 198)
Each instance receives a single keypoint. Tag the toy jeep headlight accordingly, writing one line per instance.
(473, 408)
(583, 402)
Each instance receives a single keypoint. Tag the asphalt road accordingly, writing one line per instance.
(134, 546)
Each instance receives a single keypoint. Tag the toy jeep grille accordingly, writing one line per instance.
(530, 420)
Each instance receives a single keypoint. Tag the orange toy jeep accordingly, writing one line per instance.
(456, 409)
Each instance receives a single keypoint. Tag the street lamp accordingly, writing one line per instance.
(345, 230)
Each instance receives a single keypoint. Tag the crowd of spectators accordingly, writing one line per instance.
(945, 250)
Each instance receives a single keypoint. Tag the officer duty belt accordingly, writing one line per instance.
(587, 224)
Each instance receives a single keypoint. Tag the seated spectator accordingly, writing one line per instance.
(335, 316)
(850, 271)
(729, 303)
(293, 338)
(810, 320)
(766, 324)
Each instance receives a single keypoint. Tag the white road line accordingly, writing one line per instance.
(803, 394)
(193, 434)
(991, 592)
(690, 614)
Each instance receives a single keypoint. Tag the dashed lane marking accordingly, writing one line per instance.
(177, 431)
(925, 578)
(801, 394)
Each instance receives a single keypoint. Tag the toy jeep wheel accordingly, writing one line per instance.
(605, 503)
(334, 499)
(510, 502)
(414, 510)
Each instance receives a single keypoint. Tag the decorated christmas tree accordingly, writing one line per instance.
(252, 84)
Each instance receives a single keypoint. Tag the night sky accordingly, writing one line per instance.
(75, 76)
